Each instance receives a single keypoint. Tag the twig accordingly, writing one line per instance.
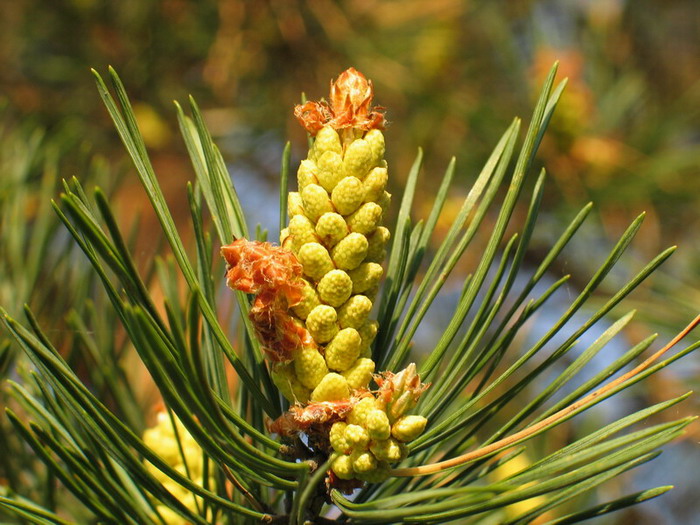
(555, 418)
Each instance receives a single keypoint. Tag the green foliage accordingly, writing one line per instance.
(40, 266)
(478, 367)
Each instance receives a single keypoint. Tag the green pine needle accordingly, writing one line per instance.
(491, 391)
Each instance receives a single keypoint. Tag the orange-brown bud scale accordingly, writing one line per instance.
(274, 275)
(302, 418)
(350, 106)
(280, 333)
(256, 267)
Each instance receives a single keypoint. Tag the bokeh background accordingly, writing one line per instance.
(451, 74)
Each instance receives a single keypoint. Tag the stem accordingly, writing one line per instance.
(306, 493)
(555, 418)
(302, 480)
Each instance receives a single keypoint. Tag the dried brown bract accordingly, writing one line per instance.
(350, 106)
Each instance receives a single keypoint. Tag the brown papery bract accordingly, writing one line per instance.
(274, 275)
(350, 106)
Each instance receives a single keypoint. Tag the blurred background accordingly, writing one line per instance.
(452, 74)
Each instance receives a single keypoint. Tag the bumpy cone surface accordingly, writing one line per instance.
(185, 457)
(314, 316)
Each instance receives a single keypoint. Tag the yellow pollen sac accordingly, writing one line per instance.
(189, 500)
(377, 241)
(315, 260)
(322, 323)
(309, 301)
(330, 170)
(310, 367)
(160, 476)
(348, 195)
(284, 234)
(368, 332)
(343, 350)
(377, 424)
(408, 428)
(350, 252)
(306, 174)
(363, 462)
(338, 440)
(358, 436)
(188, 462)
(331, 228)
(388, 450)
(164, 443)
(374, 184)
(360, 373)
(358, 159)
(366, 218)
(333, 387)
(327, 139)
(288, 384)
(377, 475)
(375, 140)
(302, 231)
(358, 414)
(354, 311)
(365, 277)
(316, 201)
(385, 201)
(342, 466)
(335, 287)
(295, 205)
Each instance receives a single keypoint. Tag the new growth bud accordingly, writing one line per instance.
(400, 392)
